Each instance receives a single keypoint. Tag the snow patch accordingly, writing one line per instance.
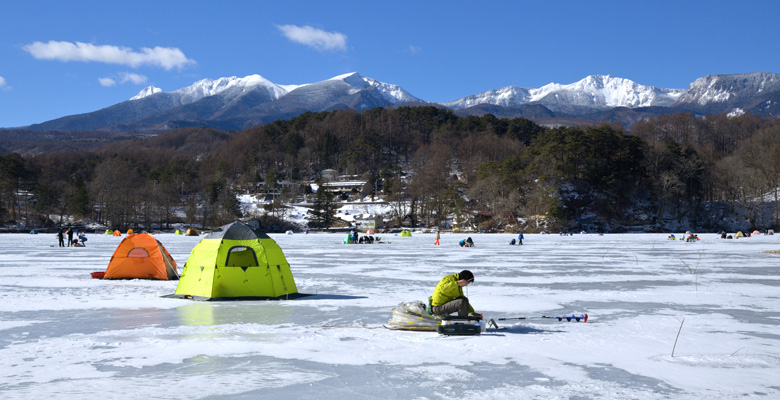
(736, 112)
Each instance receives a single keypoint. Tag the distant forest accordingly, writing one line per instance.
(431, 164)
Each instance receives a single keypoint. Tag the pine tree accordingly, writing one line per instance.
(322, 211)
(80, 202)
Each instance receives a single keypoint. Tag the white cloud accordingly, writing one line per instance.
(107, 82)
(131, 77)
(124, 77)
(314, 37)
(165, 57)
(2, 82)
(414, 49)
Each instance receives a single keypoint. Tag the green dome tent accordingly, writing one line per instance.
(237, 262)
(178, 232)
(405, 232)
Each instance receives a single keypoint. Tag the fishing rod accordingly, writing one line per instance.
(567, 318)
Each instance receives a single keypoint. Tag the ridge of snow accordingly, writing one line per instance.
(392, 93)
(145, 92)
(209, 87)
(353, 79)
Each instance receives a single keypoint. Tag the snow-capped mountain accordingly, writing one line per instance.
(595, 91)
(725, 88)
(755, 92)
(507, 96)
(208, 87)
(236, 103)
(212, 87)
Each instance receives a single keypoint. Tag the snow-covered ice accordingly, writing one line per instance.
(65, 335)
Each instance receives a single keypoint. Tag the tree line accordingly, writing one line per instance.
(430, 165)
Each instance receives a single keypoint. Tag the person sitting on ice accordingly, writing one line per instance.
(511, 242)
(77, 244)
(466, 243)
(448, 295)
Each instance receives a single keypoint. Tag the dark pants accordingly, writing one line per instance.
(459, 305)
(62, 242)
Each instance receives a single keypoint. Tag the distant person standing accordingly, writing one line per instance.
(520, 239)
(70, 236)
(437, 239)
(61, 238)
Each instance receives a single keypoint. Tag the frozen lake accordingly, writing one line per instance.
(64, 335)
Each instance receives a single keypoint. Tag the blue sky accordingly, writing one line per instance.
(62, 58)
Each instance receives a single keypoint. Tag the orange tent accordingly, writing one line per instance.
(117, 233)
(141, 256)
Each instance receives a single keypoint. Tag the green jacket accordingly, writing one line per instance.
(447, 290)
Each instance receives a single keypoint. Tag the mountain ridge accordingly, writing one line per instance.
(239, 102)
(595, 90)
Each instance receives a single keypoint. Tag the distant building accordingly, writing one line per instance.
(329, 175)
(369, 222)
(343, 186)
(260, 188)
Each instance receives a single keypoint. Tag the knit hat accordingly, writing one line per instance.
(467, 275)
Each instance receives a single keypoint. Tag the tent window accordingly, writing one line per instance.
(241, 256)
(138, 252)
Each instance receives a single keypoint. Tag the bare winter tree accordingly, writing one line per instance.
(761, 153)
